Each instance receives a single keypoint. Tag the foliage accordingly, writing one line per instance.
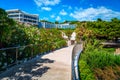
(83, 33)
(56, 22)
(108, 73)
(45, 21)
(68, 32)
(98, 58)
(104, 29)
(74, 22)
(85, 71)
(38, 41)
(96, 61)
(99, 29)
(6, 25)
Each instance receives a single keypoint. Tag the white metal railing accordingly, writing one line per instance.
(78, 48)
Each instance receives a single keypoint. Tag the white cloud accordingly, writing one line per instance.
(62, 12)
(58, 18)
(76, 8)
(64, 6)
(46, 8)
(52, 16)
(46, 2)
(69, 7)
(94, 13)
(45, 18)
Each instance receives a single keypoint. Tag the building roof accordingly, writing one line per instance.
(11, 10)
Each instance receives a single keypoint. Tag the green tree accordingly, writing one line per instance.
(114, 31)
(6, 25)
(56, 22)
(105, 29)
(99, 19)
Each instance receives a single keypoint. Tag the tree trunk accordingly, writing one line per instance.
(116, 39)
(1, 45)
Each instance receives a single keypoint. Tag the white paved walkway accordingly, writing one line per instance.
(53, 66)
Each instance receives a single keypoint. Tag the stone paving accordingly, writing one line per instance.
(55, 65)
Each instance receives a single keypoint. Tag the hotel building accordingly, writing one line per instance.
(60, 26)
(23, 17)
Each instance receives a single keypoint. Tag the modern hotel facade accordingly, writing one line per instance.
(23, 17)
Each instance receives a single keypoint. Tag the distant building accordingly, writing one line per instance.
(23, 17)
(46, 25)
(66, 26)
(60, 26)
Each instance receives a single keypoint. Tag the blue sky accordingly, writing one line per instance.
(61, 10)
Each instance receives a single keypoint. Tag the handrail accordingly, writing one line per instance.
(19, 46)
(24, 46)
(6, 64)
(75, 58)
(17, 51)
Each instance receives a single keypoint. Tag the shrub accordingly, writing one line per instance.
(85, 71)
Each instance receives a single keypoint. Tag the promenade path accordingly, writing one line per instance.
(55, 65)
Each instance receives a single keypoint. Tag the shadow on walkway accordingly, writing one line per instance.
(25, 71)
